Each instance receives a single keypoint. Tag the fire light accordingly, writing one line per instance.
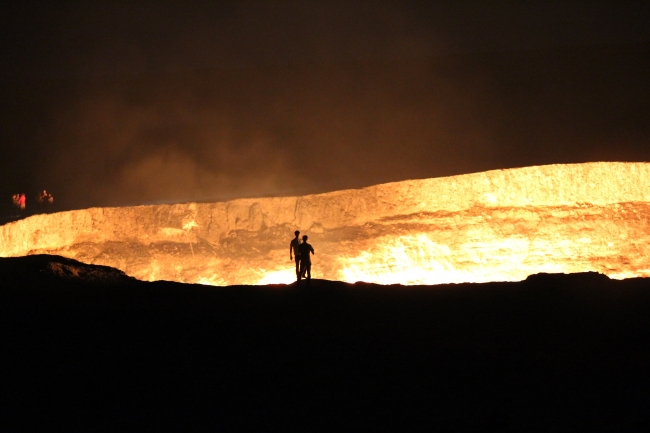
(500, 225)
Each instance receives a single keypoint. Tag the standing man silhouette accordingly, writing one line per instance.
(294, 251)
(305, 258)
(22, 200)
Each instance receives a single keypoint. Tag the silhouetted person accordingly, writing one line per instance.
(295, 252)
(15, 212)
(39, 201)
(48, 202)
(22, 202)
(305, 258)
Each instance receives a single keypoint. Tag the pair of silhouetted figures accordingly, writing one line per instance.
(44, 201)
(301, 253)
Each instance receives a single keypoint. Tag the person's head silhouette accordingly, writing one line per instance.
(304, 238)
(296, 233)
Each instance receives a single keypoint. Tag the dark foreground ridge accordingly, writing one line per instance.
(86, 348)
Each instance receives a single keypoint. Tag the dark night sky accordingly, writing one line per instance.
(116, 103)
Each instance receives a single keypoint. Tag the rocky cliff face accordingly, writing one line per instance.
(500, 225)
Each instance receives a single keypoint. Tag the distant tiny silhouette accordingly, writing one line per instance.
(305, 258)
(39, 201)
(294, 251)
(15, 199)
(49, 203)
(22, 203)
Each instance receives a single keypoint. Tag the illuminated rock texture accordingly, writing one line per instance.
(500, 225)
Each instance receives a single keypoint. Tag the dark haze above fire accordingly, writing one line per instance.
(115, 103)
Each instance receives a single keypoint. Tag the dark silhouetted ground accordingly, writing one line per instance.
(90, 349)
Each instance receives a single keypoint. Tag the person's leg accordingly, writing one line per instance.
(308, 271)
(297, 268)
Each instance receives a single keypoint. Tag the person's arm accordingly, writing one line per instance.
(291, 251)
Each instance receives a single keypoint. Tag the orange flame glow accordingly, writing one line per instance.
(501, 225)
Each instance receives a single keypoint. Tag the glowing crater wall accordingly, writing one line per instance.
(500, 225)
